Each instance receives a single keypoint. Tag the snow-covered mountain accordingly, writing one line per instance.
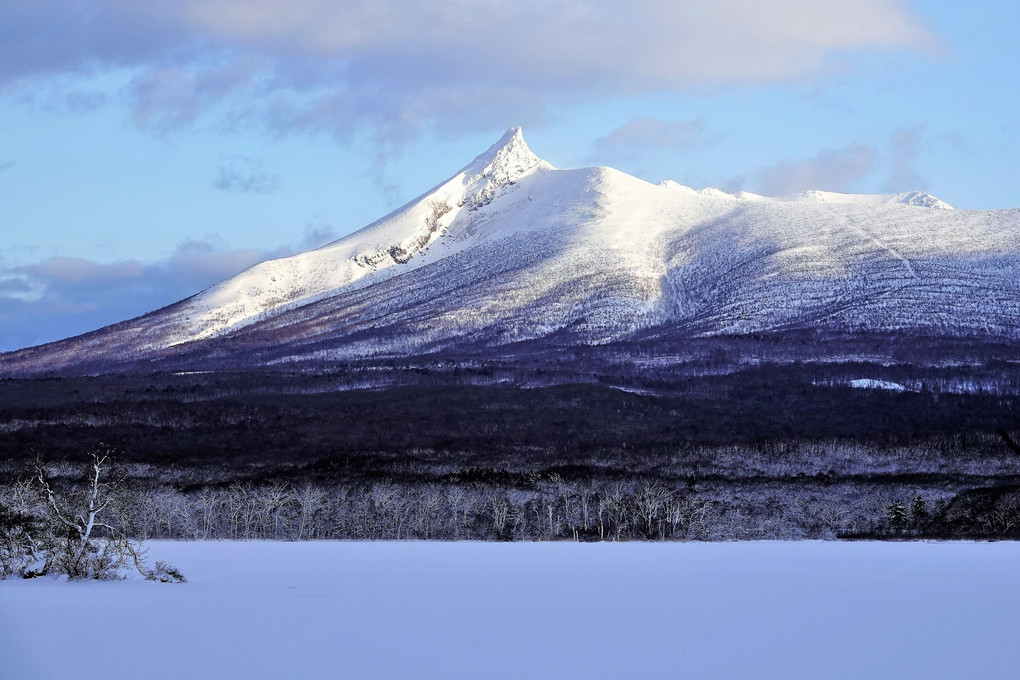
(512, 249)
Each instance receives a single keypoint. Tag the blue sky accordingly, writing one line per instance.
(147, 152)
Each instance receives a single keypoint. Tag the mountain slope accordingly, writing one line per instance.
(511, 249)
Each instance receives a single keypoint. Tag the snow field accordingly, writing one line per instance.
(542, 610)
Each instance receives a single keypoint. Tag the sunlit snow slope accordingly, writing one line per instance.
(513, 249)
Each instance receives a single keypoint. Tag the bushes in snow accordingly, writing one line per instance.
(69, 526)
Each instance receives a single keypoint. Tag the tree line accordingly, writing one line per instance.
(88, 520)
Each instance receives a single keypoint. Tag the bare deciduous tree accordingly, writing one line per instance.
(80, 540)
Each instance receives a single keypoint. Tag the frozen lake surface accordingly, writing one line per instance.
(540, 610)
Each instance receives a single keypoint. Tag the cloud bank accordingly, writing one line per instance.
(62, 296)
(389, 66)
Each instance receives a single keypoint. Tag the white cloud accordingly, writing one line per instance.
(342, 66)
(646, 42)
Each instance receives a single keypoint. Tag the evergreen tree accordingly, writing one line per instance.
(896, 513)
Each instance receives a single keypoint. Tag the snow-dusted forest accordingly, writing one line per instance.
(785, 452)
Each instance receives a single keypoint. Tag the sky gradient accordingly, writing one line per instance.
(147, 152)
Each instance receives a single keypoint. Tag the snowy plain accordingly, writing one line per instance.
(539, 610)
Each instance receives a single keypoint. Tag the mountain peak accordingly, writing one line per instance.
(509, 156)
(924, 200)
(513, 136)
(502, 164)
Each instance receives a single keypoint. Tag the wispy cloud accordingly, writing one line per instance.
(75, 101)
(844, 168)
(316, 235)
(829, 170)
(245, 175)
(645, 133)
(904, 147)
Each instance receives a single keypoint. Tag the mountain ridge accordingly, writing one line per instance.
(511, 249)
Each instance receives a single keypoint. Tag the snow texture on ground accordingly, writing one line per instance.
(548, 610)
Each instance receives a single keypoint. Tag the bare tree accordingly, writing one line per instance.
(456, 501)
(616, 504)
(270, 504)
(209, 506)
(648, 501)
(81, 541)
(310, 501)
(500, 515)
(687, 515)
(81, 516)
